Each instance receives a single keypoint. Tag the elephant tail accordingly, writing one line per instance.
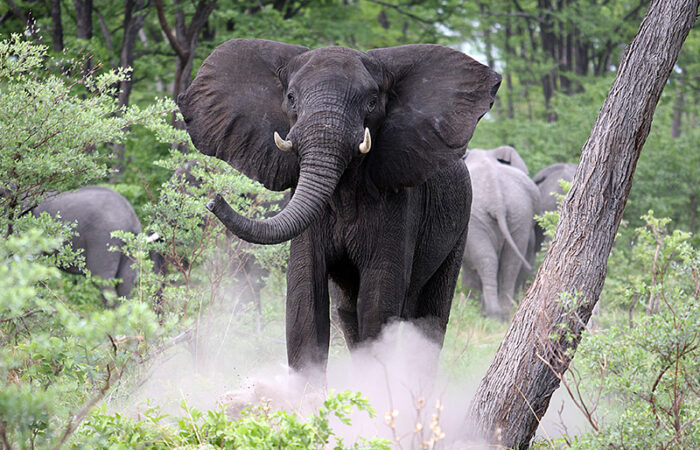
(503, 226)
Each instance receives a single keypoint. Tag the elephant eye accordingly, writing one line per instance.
(372, 103)
(291, 98)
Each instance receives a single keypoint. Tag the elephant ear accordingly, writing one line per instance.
(436, 95)
(233, 107)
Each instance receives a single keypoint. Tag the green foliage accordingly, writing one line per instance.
(643, 369)
(201, 259)
(258, 427)
(53, 356)
(54, 125)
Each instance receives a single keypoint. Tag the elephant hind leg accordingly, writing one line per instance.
(435, 297)
(485, 261)
(127, 274)
(343, 290)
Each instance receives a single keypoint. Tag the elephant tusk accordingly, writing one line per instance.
(281, 144)
(367, 143)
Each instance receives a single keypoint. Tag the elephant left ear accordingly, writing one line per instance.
(436, 96)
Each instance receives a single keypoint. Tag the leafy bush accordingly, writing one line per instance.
(258, 428)
(642, 370)
(58, 356)
(55, 119)
(56, 360)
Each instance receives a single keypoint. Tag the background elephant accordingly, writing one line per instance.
(501, 235)
(547, 180)
(97, 211)
(505, 154)
(371, 146)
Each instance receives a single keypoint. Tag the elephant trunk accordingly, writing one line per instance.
(318, 177)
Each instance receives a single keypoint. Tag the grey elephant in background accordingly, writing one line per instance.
(97, 211)
(547, 180)
(505, 154)
(500, 243)
(370, 143)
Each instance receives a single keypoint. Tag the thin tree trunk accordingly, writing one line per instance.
(57, 26)
(509, 78)
(693, 206)
(135, 12)
(519, 384)
(678, 107)
(83, 16)
(184, 39)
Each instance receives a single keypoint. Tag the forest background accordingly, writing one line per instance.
(557, 58)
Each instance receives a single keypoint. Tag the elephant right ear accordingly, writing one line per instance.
(233, 107)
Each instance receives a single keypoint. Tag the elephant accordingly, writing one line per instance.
(505, 154)
(372, 145)
(547, 180)
(97, 211)
(501, 237)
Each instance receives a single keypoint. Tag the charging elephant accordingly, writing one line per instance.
(501, 237)
(97, 212)
(547, 180)
(372, 149)
(505, 154)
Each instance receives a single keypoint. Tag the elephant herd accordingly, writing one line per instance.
(500, 248)
(503, 233)
(373, 145)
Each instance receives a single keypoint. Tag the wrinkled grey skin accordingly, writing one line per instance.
(98, 211)
(501, 235)
(547, 181)
(387, 227)
(505, 154)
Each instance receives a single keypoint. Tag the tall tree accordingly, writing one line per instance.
(83, 18)
(184, 38)
(57, 26)
(547, 327)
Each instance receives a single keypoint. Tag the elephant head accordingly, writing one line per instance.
(505, 154)
(288, 116)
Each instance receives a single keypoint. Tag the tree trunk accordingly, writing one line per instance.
(518, 385)
(509, 79)
(135, 12)
(83, 17)
(57, 26)
(184, 39)
(678, 107)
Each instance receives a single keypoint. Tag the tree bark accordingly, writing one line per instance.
(135, 12)
(518, 385)
(184, 39)
(83, 16)
(57, 26)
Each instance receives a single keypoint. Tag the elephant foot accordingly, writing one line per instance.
(493, 312)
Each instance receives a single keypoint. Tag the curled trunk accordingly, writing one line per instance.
(318, 178)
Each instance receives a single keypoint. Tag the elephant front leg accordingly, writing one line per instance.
(308, 318)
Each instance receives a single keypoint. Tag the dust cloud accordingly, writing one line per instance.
(417, 405)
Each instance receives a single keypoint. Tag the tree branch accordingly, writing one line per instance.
(200, 17)
(402, 11)
(182, 53)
